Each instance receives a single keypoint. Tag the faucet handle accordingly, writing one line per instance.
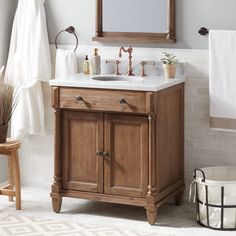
(117, 62)
(143, 63)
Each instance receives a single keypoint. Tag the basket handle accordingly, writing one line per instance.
(203, 174)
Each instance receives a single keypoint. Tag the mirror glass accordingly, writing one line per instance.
(148, 16)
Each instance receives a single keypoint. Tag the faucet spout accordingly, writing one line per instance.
(129, 51)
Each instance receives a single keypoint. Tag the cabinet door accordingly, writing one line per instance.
(126, 167)
(82, 137)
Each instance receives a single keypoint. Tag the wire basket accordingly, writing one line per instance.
(215, 195)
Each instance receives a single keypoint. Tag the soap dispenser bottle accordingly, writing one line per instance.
(96, 63)
(86, 66)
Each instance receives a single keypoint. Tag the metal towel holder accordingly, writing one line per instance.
(203, 31)
(70, 30)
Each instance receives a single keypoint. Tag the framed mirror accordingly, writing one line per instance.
(135, 21)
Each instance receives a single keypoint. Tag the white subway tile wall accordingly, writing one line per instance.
(203, 146)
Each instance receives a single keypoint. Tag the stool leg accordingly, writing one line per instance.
(10, 176)
(16, 167)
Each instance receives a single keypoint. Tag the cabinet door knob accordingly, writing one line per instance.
(99, 154)
(105, 154)
(122, 101)
(79, 98)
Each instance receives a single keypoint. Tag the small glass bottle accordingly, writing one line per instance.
(86, 66)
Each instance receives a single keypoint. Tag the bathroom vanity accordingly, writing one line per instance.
(119, 141)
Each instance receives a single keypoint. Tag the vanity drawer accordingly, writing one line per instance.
(106, 100)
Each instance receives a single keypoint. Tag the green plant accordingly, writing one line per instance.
(169, 58)
(8, 101)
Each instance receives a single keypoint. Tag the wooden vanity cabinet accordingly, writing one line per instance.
(119, 146)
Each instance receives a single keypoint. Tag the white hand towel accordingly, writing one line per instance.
(222, 79)
(66, 63)
(28, 64)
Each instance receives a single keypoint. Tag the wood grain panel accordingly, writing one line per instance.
(55, 97)
(105, 197)
(126, 169)
(170, 138)
(82, 137)
(104, 100)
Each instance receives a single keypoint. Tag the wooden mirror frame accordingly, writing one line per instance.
(136, 37)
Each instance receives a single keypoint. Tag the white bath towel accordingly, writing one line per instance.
(222, 76)
(1, 71)
(28, 64)
(66, 63)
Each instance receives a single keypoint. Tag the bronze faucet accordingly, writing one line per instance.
(129, 50)
(117, 62)
(143, 63)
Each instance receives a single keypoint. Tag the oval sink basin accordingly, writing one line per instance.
(109, 78)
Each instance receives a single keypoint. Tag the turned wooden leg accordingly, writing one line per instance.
(56, 204)
(55, 195)
(10, 176)
(151, 216)
(179, 198)
(16, 167)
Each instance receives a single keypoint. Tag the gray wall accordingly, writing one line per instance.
(7, 9)
(191, 15)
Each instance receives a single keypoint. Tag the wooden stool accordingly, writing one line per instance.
(13, 189)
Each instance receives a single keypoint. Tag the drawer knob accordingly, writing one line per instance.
(122, 101)
(105, 154)
(79, 99)
(99, 154)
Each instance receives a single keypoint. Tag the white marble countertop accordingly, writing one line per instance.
(150, 83)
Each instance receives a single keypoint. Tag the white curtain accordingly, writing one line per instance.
(28, 64)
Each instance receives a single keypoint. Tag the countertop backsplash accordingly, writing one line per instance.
(150, 70)
(112, 53)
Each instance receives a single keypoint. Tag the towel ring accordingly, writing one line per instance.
(70, 30)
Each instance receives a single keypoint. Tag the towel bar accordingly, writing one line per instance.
(70, 30)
